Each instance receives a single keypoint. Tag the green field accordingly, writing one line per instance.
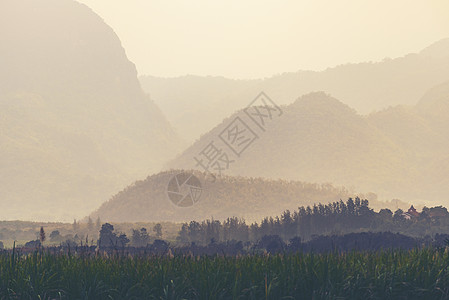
(416, 274)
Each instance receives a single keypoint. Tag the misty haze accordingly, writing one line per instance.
(296, 149)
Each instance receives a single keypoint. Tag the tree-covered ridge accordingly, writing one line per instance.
(243, 197)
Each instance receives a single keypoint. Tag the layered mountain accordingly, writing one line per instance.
(220, 198)
(423, 132)
(400, 152)
(75, 125)
(196, 104)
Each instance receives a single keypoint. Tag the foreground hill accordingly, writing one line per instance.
(250, 198)
(397, 153)
(75, 125)
(195, 104)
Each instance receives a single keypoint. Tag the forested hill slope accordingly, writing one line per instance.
(250, 198)
(75, 125)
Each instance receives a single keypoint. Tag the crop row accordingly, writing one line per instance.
(386, 274)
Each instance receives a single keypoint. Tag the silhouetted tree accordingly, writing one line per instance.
(75, 226)
(55, 236)
(33, 244)
(158, 230)
(159, 247)
(42, 235)
(183, 235)
(90, 224)
(351, 206)
(122, 240)
(398, 216)
(195, 232)
(295, 244)
(271, 243)
(107, 237)
(386, 214)
(140, 238)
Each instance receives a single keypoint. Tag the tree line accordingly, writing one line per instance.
(305, 226)
(336, 218)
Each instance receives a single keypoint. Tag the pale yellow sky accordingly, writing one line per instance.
(260, 38)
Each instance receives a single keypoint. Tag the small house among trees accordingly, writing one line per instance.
(411, 213)
(433, 213)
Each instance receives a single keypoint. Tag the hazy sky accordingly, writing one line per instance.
(259, 38)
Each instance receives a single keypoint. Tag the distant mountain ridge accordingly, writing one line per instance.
(400, 152)
(195, 104)
(75, 125)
